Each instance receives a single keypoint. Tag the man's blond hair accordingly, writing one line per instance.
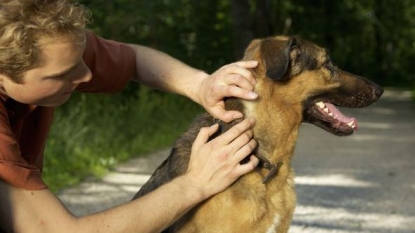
(24, 23)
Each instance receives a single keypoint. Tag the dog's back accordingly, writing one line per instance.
(177, 162)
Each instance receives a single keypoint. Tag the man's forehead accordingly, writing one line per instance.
(58, 57)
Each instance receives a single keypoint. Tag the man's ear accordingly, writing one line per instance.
(276, 57)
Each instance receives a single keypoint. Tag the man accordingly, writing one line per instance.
(46, 55)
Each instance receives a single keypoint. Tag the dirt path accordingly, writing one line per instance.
(361, 183)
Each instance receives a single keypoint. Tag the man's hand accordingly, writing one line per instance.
(233, 80)
(215, 165)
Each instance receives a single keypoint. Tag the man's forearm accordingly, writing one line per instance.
(41, 211)
(164, 206)
(159, 70)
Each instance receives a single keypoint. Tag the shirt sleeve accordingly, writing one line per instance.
(112, 64)
(16, 168)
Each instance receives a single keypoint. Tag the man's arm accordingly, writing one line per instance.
(213, 166)
(42, 212)
(159, 70)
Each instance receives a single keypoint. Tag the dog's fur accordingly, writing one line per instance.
(293, 75)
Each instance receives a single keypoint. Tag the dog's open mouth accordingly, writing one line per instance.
(332, 114)
(327, 116)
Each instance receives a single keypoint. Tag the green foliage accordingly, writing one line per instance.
(197, 32)
(91, 133)
(371, 38)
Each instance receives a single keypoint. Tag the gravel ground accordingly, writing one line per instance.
(362, 183)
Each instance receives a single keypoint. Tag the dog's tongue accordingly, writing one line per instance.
(351, 121)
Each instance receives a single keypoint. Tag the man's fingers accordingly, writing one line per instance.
(226, 116)
(244, 151)
(204, 135)
(241, 68)
(235, 131)
(232, 80)
(247, 64)
(232, 90)
(240, 81)
(243, 144)
(238, 92)
(242, 169)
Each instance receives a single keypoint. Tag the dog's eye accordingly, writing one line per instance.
(329, 66)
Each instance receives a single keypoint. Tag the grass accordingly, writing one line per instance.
(92, 133)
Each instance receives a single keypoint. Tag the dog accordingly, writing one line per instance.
(296, 82)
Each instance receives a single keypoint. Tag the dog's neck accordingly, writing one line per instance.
(273, 150)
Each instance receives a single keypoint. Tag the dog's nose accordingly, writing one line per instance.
(378, 91)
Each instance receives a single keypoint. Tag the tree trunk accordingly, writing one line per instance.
(242, 26)
(263, 19)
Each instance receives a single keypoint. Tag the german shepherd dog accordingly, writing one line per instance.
(296, 82)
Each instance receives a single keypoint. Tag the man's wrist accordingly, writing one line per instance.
(195, 87)
(194, 191)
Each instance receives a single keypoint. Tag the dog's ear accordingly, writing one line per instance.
(276, 56)
(252, 50)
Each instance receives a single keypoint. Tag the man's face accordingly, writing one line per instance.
(51, 83)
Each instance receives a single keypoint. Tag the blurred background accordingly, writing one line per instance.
(91, 133)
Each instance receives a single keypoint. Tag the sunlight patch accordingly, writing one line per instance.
(332, 180)
(373, 125)
(322, 220)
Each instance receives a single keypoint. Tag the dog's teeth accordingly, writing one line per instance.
(331, 114)
(326, 110)
(351, 124)
(320, 104)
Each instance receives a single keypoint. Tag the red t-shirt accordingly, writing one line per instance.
(24, 128)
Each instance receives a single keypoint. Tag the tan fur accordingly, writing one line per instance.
(250, 205)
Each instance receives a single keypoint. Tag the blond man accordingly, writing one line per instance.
(45, 55)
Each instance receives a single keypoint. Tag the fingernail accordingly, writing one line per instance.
(254, 63)
(237, 115)
(252, 120)
(253, 95)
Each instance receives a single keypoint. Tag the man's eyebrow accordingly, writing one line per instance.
(61, 73)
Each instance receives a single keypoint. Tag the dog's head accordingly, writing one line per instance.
(300, 75)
